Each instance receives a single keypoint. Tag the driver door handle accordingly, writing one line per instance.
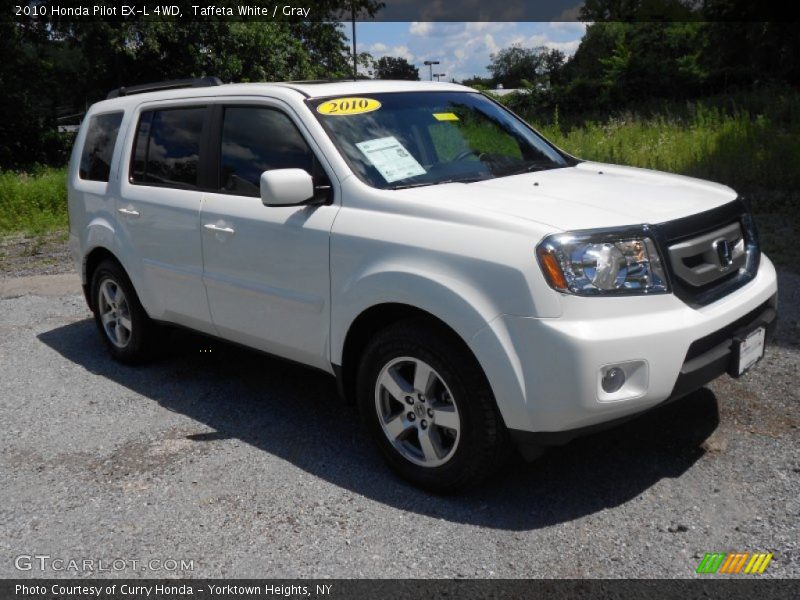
(128, 212)
(219, 228)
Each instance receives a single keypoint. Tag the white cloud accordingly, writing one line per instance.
(420, 29)
(484, 25)
(535, 41)
(403, 52)
(490, 44)
(379, 49)
(576, 27)
(464, 49)
(567, 48)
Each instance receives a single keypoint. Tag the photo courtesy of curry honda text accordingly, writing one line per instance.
(473, 288)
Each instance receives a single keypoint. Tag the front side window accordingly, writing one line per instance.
(167, 148)
(99, 146)
(408, 139)
(254, 140)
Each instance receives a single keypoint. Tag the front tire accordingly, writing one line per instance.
(123, 324)
(428, 406)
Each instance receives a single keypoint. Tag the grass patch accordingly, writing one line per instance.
(756, 154)
(33, 203)
(740, 149)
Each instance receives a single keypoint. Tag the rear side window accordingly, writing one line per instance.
(99, 146)
(167, 148)
(255, 140)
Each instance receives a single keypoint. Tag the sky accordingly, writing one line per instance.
(463, 49)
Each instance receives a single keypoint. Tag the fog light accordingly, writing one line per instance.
(613, 380)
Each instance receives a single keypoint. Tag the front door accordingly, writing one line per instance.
(265, 268)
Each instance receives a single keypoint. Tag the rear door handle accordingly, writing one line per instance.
(219, 228)
(128, 212)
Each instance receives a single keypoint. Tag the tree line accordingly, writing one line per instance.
(55, 69)
(620, 65)
(52, 68)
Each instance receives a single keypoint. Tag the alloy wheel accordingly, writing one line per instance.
(115, 313)
(417, 411)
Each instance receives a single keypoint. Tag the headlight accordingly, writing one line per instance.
(593, 263)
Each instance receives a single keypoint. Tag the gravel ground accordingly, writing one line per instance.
(251, 467)
(45, 254)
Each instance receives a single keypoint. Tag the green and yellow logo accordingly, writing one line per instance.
(733, 563)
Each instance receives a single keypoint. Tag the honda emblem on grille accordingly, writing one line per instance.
(724, 254)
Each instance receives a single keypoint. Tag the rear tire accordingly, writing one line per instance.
(427, 405)
(123, 324)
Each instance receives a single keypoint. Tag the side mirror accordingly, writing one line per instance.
(286, 187)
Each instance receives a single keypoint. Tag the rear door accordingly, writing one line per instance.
(159, 212)
(266, 269)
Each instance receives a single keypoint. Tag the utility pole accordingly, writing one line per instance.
(355, 56)
(429, 64)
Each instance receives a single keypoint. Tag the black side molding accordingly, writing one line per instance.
(174, 84)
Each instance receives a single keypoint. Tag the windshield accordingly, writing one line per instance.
(409, 139)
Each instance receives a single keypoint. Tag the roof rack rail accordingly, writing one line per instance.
(164, 85)
(309, 80)
(327, 80)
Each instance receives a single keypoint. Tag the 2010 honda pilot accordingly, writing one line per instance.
(469, 284)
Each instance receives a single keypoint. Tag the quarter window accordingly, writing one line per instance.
(168, 147)
(99, 146)
(255, 140)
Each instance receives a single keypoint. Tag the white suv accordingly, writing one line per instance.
(470, 285)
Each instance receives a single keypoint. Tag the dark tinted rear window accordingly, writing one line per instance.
(99, 146)
(255, 140)
(167, 148)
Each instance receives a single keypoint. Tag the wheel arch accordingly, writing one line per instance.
(93, 259)
(365, 326)
(379, 299)
(465, 320)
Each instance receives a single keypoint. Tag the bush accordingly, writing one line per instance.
(33, 202)
(748, 141)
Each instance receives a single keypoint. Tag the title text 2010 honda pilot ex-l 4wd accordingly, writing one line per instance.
(471, 286)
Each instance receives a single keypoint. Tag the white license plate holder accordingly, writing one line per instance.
(748, 350)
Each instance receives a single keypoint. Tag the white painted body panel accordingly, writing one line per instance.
(292, 280)
(163, 235)
(589, 196)
(551, 365)
(267, 275)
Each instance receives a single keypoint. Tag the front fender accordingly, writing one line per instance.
(461, 306)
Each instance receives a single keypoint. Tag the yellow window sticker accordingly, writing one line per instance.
(348, 106)
(445, 116)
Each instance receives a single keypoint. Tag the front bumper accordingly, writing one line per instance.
(707, 359)
(546, 373)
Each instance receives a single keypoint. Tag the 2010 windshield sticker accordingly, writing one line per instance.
(391, 158)
(348, 106)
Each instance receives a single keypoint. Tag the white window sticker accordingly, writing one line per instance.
(391, 158)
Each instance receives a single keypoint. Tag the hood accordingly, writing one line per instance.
(587, 196)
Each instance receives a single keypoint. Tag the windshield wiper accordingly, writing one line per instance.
(426, 183)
